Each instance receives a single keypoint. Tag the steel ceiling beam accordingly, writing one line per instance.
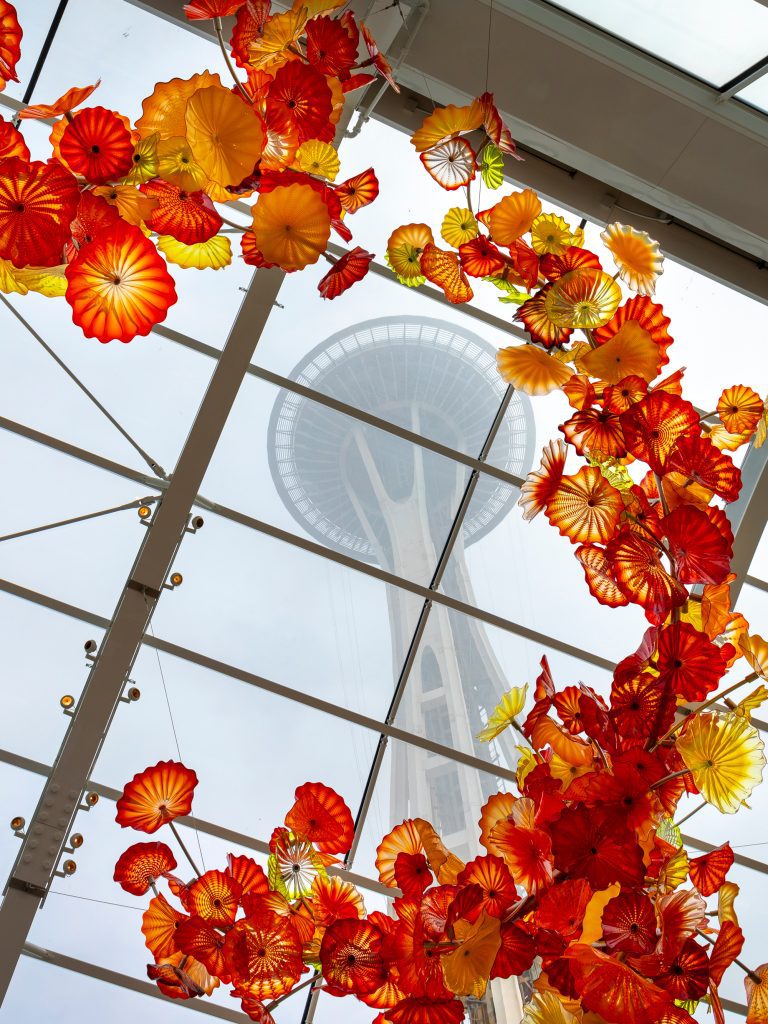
(49, 828)
(144, 988)
(748, 515)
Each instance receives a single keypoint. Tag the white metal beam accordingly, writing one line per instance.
(48, 830)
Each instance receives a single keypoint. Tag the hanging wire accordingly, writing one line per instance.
(173, 728)
(79, 519)
(152, 463)
(92, 899)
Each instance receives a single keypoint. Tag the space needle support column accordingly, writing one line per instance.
(442, 564)
(49, 828)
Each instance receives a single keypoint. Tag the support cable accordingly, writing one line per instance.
(138, 503)
(152, 463)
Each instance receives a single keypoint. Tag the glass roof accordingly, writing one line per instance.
(304, 592)
(696, 36)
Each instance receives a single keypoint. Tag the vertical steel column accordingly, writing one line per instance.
(53, 818)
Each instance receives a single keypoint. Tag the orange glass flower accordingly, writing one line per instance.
(531, 370)
(118, 287)
(38, 202)
(637, 256)
(359, 191)
(350, 954)
(10, 43)
(12, 142)
(447, 123)
(214, 896)
(585, 508)
(496, 884)
(163, 112)
(739, 409)
(158, 925)
(541, 484)
(141, 865)
(630, 352)
(189, 217)
(653, 427)
(404, 250)
(97, 144)
(156, 796)
(72, 98)
(322, 817)
(263, 955)
(198, 938)
(346, 271)
(513, 216)
(403, 838)
(225, 134)
(534, 317)
(583, 298)
(443, 269)
(291, 226)
(599, 575)
(300, 96)
(641, 576)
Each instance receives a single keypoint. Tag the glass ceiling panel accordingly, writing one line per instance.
(319, 473)
(84, 563)
(250, 749)
(534, 555)
(128, 48)
(759, 566)
(696, 36)
(42, 660)
(151, 387)
(460, 674)
(290, 342)
(756, 94)
(298, 619)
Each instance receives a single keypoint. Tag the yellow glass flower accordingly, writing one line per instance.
(466, 970)
(637, 256)
(144, 161)
(48, 281)
(270, 49)
(725, 757)
(531, 370)
(404, 248)
(583, 298)
(291, 226)
(459, 226)
(319, 158)
(505, 713)
(132, 205)
(446, 866)
(176, 163)
(211, 255)
(551, 234)
(547, 1008)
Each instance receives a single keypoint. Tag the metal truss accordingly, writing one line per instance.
(52, 820)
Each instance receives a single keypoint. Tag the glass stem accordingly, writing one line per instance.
(185, 851)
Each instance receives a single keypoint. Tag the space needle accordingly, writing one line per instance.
(369, 494)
